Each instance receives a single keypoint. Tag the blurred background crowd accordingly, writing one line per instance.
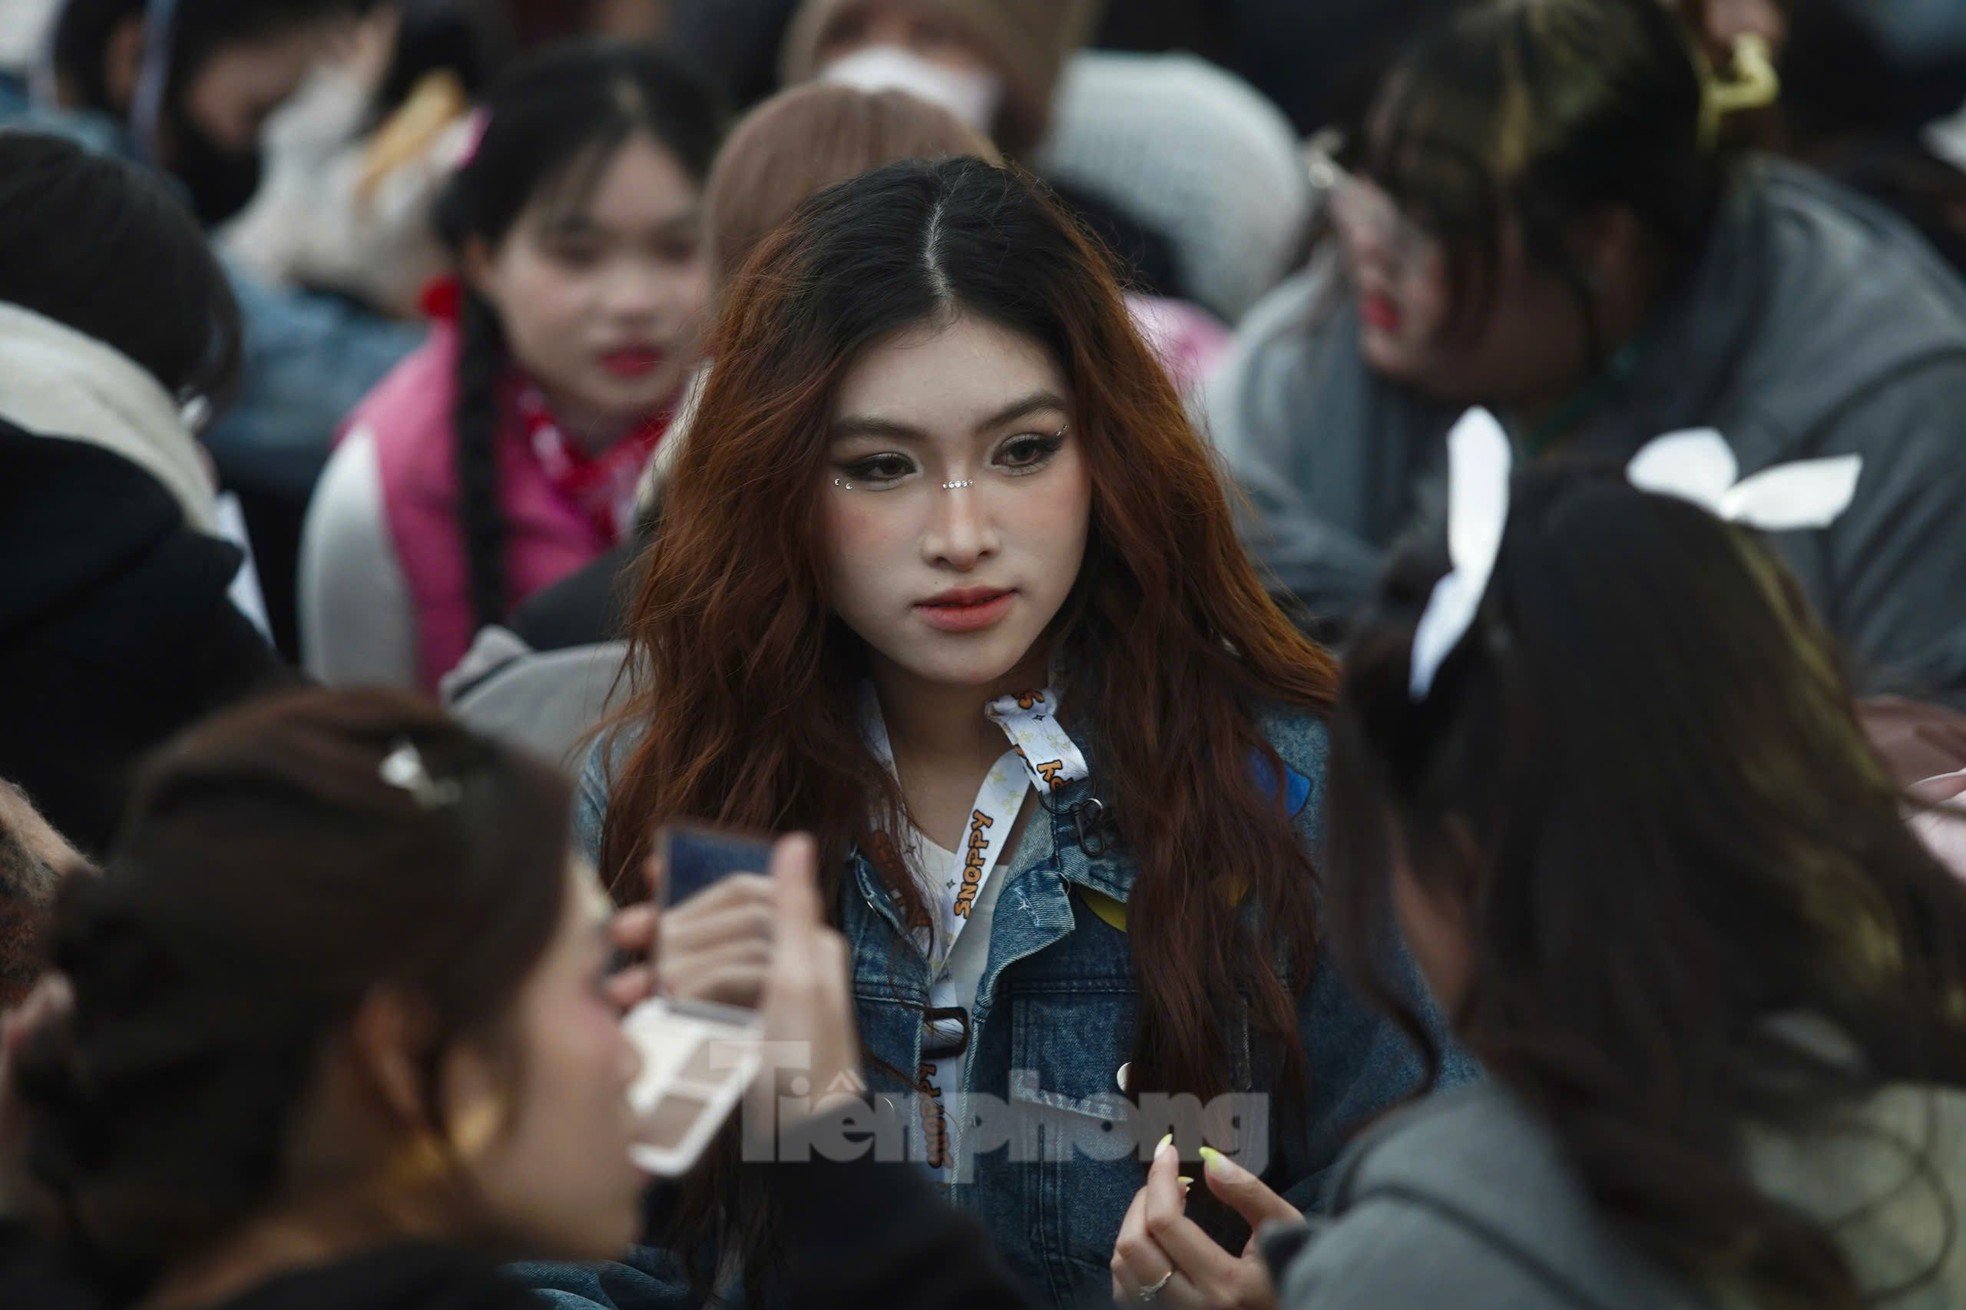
(373, 343)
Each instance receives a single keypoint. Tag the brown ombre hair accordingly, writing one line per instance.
(743, 704)
(808, 138)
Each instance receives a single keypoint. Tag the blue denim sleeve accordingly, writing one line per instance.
(590, 800)
(309, 360)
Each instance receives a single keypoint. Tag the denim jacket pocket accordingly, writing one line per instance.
(1079, 1153)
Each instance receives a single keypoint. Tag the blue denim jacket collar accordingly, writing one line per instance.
(1035, 907)
(1084, 853)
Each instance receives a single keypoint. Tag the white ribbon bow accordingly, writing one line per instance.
(1479, 461)
(1696, 465)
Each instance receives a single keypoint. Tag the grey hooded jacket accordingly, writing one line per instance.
(1464, 1199)
(1813, 324)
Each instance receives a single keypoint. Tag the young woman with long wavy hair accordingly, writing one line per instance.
(943, 538)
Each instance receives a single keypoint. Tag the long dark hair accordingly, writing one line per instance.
(267, 879)
(1541, 113)
(1640, 781)
(743, 702)
(95, 243)
(552, 125)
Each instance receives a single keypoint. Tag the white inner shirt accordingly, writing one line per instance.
(928, 865)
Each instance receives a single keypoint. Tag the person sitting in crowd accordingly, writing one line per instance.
(936, 481)
(1714, 979)
(117, 626)
(1537, 218)
(337, 1022)
(186, 87)
(335, 1027)
(505, 453)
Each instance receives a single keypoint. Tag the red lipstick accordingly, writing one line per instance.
(965, 609)
(633, 361)
(1379, 311)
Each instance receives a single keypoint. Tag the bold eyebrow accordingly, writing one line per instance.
(886, 429)
(1035, 403)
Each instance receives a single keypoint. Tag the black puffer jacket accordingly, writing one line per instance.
(116, 629)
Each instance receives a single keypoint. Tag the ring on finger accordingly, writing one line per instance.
(1155, 1288)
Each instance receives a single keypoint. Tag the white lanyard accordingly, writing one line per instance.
(1040, 756)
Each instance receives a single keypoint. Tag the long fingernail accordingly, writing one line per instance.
(1186, 1182)
(1220, 1165)
(1163, 1143)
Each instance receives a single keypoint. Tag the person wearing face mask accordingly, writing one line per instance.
(184, 86)
(1564, 239)
(505, 453)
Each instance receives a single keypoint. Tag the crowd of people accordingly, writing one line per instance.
(1347, 624)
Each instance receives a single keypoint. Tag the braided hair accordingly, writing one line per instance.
(554, 120)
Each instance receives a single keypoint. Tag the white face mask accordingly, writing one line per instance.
(972, 97)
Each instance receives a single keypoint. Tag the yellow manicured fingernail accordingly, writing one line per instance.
(1163, 1143)
(1216, 1163)
(1186, 1182)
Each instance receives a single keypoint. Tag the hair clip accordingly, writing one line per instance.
(464, 138)
(404, 767)
(1479, 461)
(1755, 85)
(194, 411)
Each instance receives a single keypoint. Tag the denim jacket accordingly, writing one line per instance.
(1054, 1022)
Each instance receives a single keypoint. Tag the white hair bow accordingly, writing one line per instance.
(1695, 465)
(1479, 461)
(1698, 465)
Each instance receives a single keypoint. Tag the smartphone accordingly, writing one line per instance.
(696, 857)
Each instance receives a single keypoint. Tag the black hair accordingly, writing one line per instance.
(85, 28)
(552, 123)
(1544, 112)
(442, 35)
(1639, 782)
(269, 877)
(99, 245)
